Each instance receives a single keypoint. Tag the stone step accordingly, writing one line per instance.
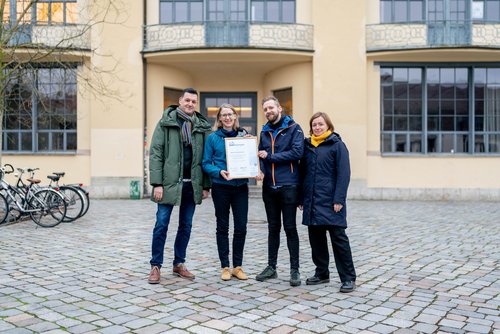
(255, 191)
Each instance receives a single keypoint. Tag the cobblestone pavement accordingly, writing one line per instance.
(423, 267)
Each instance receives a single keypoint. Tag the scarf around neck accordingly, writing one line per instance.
(316, 140)
(187, 126)
(229, 133)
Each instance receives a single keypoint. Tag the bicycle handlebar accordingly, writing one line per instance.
(6, 171)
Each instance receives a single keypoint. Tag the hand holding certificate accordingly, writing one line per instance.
(241, 157)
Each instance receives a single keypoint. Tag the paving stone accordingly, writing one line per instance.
(383, 329)
(413, 277)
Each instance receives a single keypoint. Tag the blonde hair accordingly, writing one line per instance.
(218, 123)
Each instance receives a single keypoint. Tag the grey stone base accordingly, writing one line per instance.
(359, 190)
(113, 187)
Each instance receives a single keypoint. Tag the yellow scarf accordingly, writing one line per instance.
(316, 140)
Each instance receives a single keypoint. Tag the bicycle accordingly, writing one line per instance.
(80, 188)
(75, 198)
(46, 207)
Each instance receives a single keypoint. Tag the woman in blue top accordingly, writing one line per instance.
(226, 192)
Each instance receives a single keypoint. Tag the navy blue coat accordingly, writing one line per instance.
(284, 147)
(325, 174)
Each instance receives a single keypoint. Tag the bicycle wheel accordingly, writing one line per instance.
(14, 212)
(86, 196)
(4, 209)
(49, 207)
(74, 202)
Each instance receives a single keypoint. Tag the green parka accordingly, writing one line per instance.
(166, 157)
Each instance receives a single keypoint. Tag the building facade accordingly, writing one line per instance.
(412, 86)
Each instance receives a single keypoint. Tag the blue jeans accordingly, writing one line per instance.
(186, 212)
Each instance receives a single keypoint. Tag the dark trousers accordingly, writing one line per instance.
(280, 202)
(227, 197)
(341, 252)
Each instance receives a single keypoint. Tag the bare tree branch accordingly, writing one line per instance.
(24, 45)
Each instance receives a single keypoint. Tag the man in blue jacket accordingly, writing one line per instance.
(280, 148)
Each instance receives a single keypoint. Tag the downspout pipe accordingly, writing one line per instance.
(145, 186)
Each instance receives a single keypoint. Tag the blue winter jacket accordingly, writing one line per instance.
(214, 157)
(325, 173)
(284, 147)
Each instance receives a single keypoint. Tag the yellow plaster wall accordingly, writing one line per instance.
(121, 153)
(117, 113)
(433, 172)
(339, 76)
(303, 11)
(299, 77)
(75, 166)
(159, 77)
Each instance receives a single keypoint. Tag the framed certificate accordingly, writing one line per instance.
(241, 157)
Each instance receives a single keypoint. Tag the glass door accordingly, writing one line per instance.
(244, 103)
(449, 22)
(227, 23)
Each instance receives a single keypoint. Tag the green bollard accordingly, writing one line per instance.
(135, 192)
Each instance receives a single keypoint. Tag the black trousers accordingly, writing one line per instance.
(227, 197)
(280, 202)
(341, 252)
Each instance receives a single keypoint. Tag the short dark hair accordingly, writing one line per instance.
(327, 119)
(189, 90)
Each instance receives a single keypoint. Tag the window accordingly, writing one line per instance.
(273, 11)
(487, 110)
(40, 110)
(392, 11)
(6, 12)
(41, 11)
(171, 97)
(285, 98)
(177, 11)
(492, 10)
(56, 12)
(428, 109)
(486, 10)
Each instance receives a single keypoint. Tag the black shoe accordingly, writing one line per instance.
(348, 286)
(295, 277)
(317, 280)
(268, 273)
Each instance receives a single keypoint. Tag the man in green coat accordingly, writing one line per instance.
(177, 178)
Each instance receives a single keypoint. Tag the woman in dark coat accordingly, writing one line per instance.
(325, 174)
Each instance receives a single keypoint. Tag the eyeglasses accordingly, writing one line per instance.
(226, 115)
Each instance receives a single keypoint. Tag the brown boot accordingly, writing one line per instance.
(181, 271)
(154, 275)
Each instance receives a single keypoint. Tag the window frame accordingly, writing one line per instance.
(174, 4)
(266, 11)
(33, 113)
(424, 133)
(50, 13)
(285, 96)
(408, 11)
(485, 11)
